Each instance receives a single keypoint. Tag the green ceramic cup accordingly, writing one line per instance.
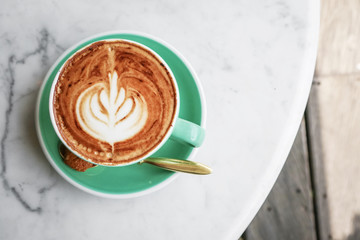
(182, 131)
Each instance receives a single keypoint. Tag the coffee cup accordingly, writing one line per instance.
(116, 102)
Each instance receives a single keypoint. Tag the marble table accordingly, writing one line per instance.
(255, 60)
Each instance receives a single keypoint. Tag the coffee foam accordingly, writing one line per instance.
(114, 102)
(106, 114)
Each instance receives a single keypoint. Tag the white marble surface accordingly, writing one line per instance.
(255, 60)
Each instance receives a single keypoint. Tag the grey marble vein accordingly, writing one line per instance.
(13, 61)
(24, 203)
(11, 81)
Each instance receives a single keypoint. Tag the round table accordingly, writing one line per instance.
(255, 60)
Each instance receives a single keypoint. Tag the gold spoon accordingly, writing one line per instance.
(176, 165)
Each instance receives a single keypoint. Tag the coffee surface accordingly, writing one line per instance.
(114, 102)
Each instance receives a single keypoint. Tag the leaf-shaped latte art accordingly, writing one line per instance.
(108, 113)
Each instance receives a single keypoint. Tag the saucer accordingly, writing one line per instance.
(133, 180)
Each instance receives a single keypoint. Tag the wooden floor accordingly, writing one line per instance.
(317, 195)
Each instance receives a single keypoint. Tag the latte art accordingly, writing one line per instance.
(105, 113)
(114, 102)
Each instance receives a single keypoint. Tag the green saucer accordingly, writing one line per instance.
(133, 180)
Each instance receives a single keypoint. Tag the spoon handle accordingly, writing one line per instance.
(179, 165)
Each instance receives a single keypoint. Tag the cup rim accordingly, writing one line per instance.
(154, 150)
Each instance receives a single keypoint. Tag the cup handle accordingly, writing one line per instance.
(188, 133)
